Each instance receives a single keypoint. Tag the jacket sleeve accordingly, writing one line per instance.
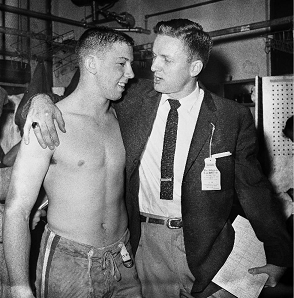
(255, 194)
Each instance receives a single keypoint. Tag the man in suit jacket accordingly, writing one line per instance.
(181, 242)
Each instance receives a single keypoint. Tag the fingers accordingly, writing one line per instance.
(34, 224)
(42, 135)
(256, 270)
(54, 139)
(43, 112)
(43, 213)
(38, 129)
(46, 133)
(26, 132)
(259, 270)
(270, 284)
(274, 273)
(37, 217)
(60, 121)
(48, 129)
(49, 132)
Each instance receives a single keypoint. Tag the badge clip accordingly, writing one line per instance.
(210, 176)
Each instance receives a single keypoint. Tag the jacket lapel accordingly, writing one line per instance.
(203, 128)
(145, 119)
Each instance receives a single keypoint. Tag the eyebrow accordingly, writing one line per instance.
(126, 59)
(163, 55)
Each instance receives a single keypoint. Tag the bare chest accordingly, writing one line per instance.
(89, 145)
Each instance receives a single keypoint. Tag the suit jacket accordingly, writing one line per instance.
(208, 234)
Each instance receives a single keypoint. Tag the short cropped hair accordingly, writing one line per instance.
(198, 42)
(99, 39)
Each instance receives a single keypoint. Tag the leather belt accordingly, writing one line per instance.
(171, 223)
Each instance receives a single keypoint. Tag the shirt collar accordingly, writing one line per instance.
(186, 102)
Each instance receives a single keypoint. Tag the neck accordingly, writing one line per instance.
(88, 101)
(188, 89)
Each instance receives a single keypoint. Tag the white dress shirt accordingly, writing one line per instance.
(149, 170)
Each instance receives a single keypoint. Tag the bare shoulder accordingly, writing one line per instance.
(70, 110)
(64, 104)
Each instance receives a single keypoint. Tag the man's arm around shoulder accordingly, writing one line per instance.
(43, 112)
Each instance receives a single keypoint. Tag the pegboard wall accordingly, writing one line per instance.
(277, 103)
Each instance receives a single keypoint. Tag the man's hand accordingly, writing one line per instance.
(44, 112)
(274, 273)
(37, 217)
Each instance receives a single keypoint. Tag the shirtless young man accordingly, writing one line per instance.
(85, 250)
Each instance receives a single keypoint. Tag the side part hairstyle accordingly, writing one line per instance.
(197, 41)
(98, 40)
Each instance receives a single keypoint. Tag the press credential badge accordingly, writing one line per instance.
(210, 176)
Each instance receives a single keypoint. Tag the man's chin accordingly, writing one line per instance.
(158, 87)
(118, 98)
(115, 98)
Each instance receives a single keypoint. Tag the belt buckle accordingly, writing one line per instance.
(170, 223)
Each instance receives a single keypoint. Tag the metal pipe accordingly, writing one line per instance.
(250, 27)
(217, 33)
(147, 16)
(181, 8)
(94, 13)
(43, 16)
(53, 18)
(3, 37)
(44, 37)
(28, 40)
(49, 31)
(137, 30)
(246, 30)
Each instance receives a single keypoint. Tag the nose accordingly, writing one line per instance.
(129, 72)
(155, 64)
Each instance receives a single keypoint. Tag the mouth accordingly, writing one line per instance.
(122, 85)
(157, 79)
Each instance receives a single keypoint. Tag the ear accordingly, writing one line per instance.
(90, 64)
(196, 67)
